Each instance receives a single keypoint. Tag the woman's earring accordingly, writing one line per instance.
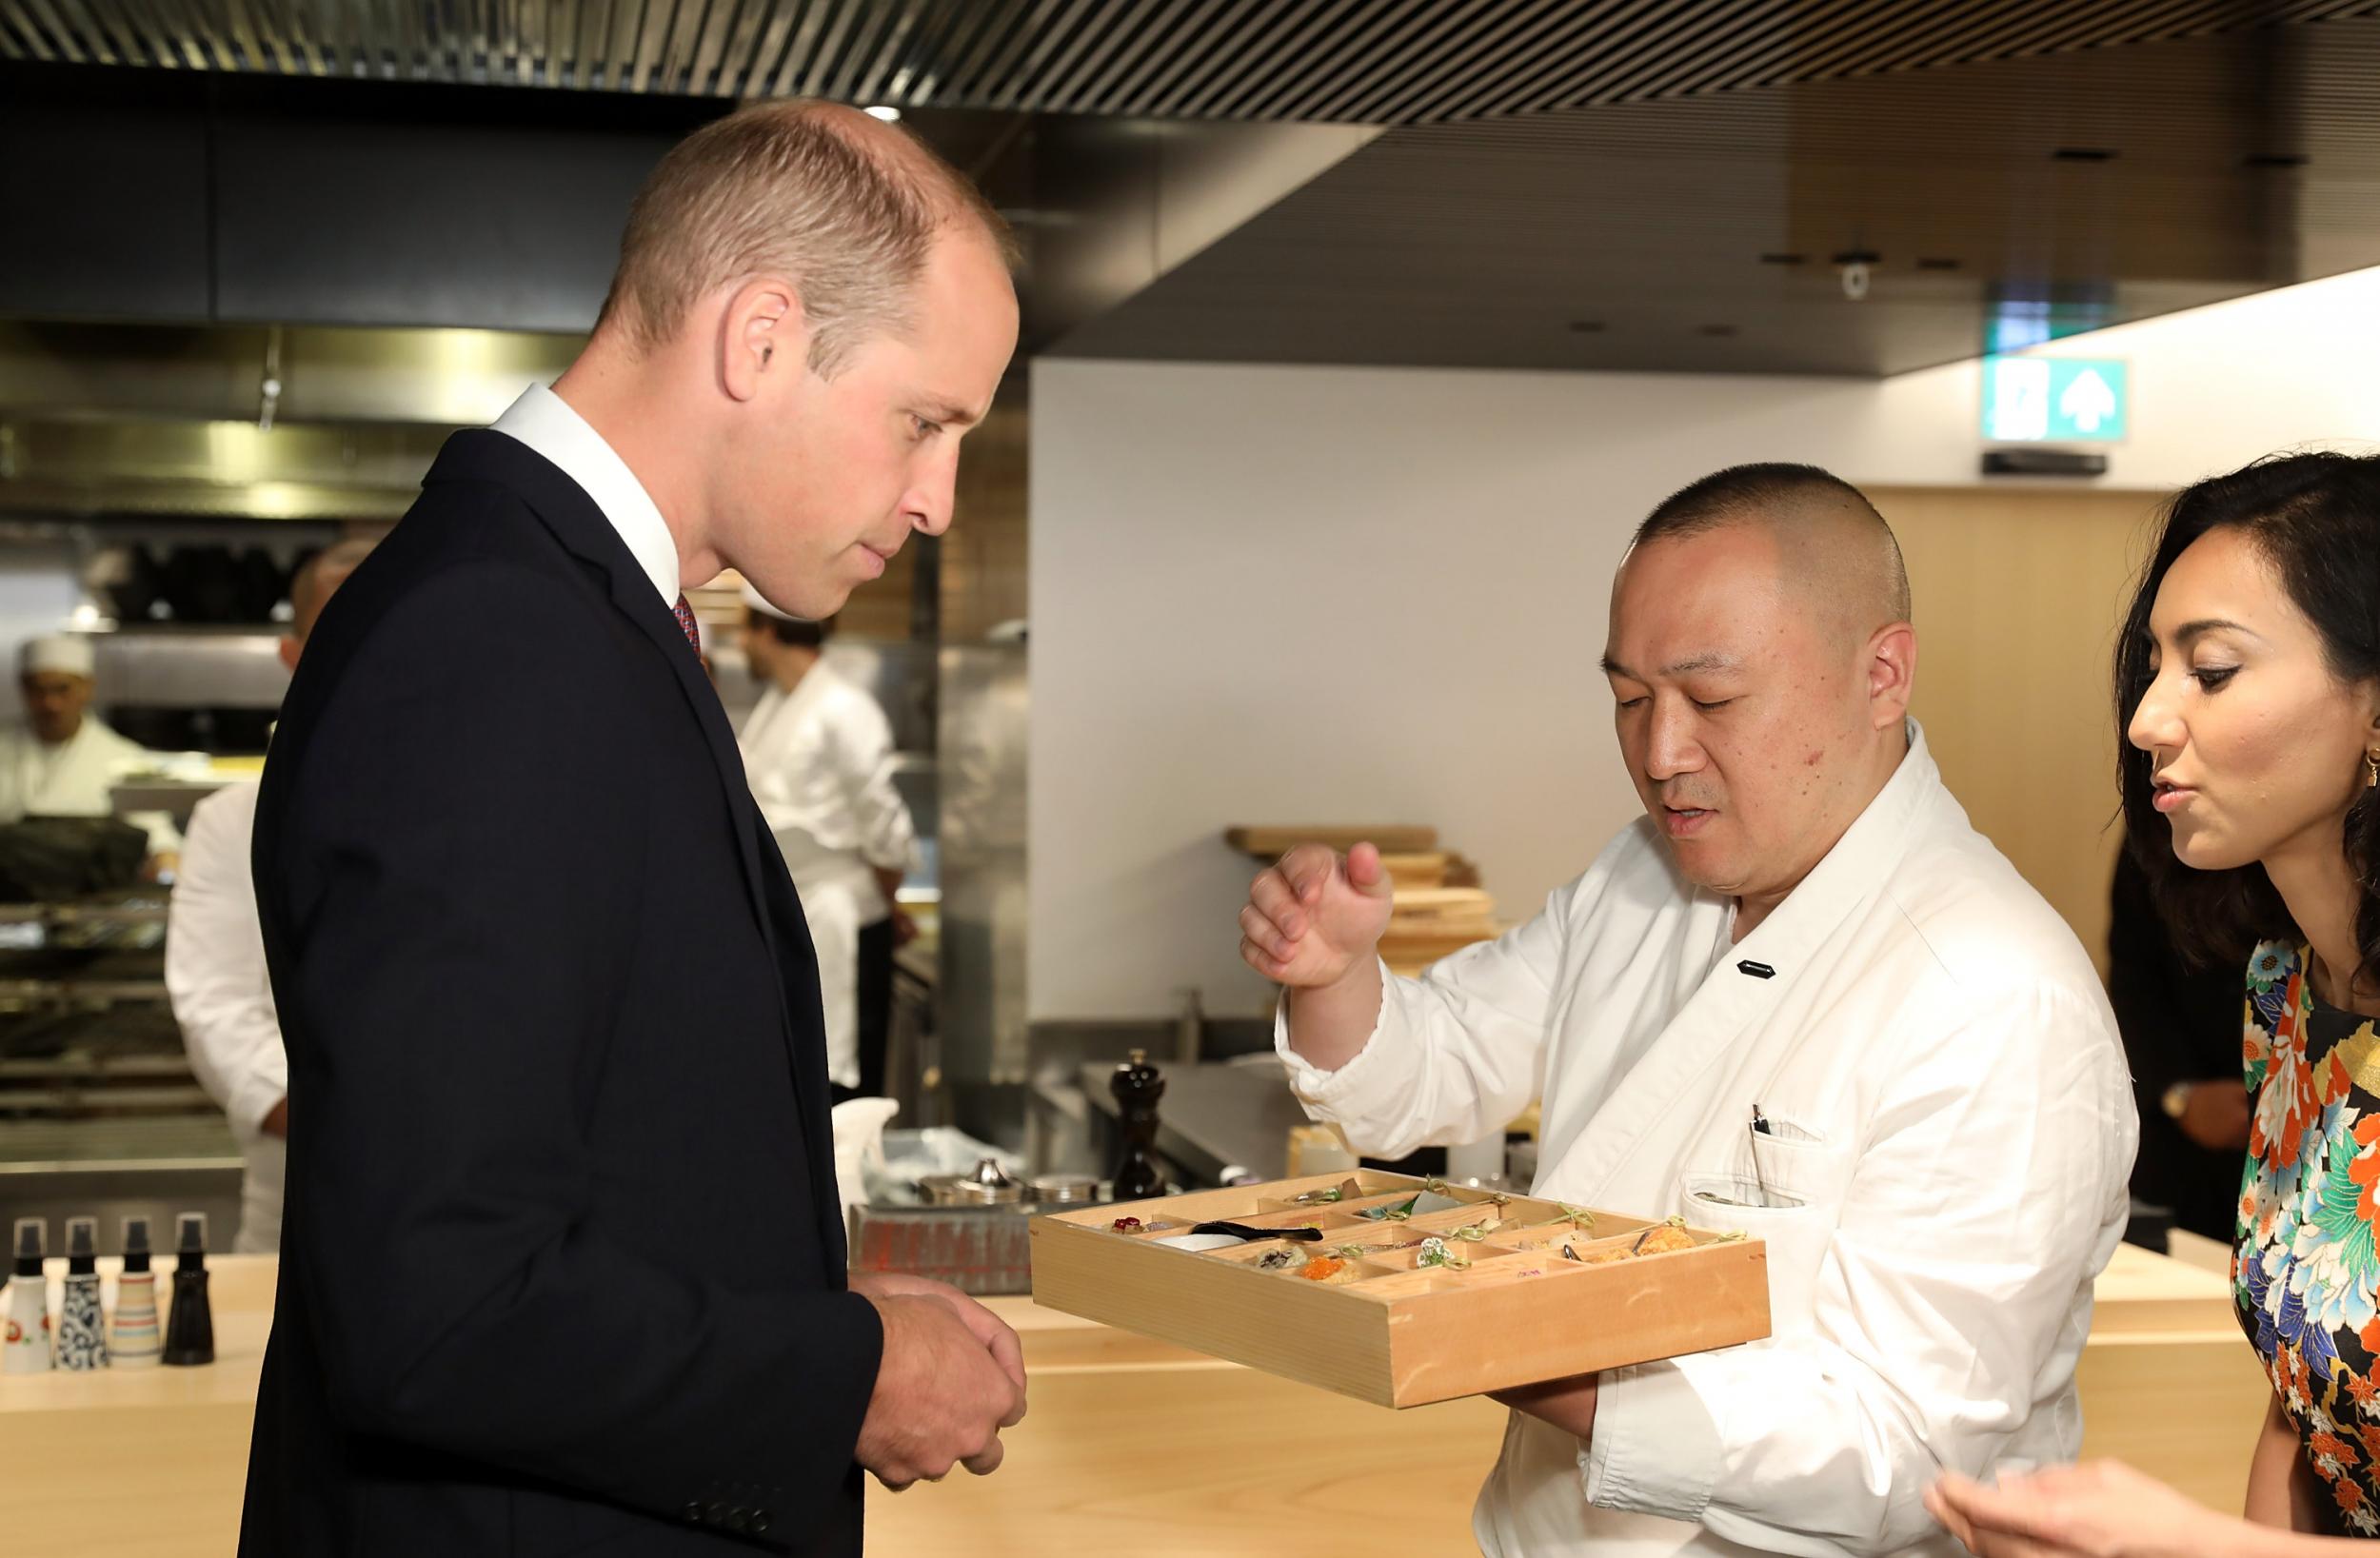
(2371, 770)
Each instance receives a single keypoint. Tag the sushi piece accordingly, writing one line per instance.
(1437, 1252)
(1395, 1211)
(1332, 1272)
(1661, 1237)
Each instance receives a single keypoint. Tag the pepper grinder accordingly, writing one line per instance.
(1137, 1086)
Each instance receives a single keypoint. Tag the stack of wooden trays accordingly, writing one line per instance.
(1414, 1292)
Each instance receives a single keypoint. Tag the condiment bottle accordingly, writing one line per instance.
(132, 1339)
(191, 1325)
(82, 1328)
(25, 1342)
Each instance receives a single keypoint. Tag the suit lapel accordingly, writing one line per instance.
(580, 526)
(798, 968)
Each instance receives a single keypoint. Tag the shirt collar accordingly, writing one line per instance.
(545, 422)
(1861, 863)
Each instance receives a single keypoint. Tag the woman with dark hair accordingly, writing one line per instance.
(2247, 683)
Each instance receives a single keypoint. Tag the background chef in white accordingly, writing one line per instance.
(1805, 926)
(817, 753)
(215, 955)
(62, 761)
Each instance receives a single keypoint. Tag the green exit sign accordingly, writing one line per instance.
(2054, 400)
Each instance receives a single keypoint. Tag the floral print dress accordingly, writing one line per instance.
(2304, 1274)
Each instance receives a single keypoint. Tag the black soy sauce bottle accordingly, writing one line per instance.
(190, 1328)
(1138, 1086)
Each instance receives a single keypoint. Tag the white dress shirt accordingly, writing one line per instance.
(819, 759)
(222, 998)
(73, 777)
(546, 423)
(1951, 1129)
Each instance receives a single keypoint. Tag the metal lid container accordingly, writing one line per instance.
(1063, 1190)
(986, 1184)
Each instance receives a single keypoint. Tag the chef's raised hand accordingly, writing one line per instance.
(1314, 918)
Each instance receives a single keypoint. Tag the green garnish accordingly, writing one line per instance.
(1396, 1212)
(1435, 1252)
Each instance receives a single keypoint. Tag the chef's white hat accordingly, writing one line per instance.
(69, 653)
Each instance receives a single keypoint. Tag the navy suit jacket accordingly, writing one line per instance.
(562, 1268)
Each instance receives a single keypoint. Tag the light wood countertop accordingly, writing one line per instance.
(1131, 1444)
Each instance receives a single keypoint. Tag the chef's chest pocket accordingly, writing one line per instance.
(1785, 1187)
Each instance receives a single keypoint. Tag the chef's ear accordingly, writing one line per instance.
(763, 332)
(1891, 671)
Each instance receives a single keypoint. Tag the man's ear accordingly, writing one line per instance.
(761, 332)
(1891, 667)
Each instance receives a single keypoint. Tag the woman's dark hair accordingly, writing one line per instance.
(2317, 518)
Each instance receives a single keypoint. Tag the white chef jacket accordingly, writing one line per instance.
(819, 759)
(72, 777)
(1952, 1128)
(222, 998)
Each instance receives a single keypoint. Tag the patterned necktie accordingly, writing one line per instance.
(686, 625)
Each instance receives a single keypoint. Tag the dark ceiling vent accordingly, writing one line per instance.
(1365, 62)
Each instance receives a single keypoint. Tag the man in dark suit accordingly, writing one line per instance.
(563, 1269)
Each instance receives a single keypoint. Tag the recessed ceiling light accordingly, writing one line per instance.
(883, 111)
(2274, 159)
(1719, 329)
(1937, 261)
(1858, 257)
(1586, 327)
(1782, 259)
(2083, 154)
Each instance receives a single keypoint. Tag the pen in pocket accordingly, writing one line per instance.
(1760, 1177)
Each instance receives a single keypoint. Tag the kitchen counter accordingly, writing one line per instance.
(1132, 1445)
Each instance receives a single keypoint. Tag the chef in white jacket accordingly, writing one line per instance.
(1802, 997)
(817, 753)
(63, 761)
(215, 955)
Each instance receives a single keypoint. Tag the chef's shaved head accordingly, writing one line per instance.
(1832, 546)
(1761, 662)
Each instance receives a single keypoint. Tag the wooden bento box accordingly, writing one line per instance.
(1506, 1291)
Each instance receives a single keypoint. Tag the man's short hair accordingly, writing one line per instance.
(1774, 490)
(780, 188)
